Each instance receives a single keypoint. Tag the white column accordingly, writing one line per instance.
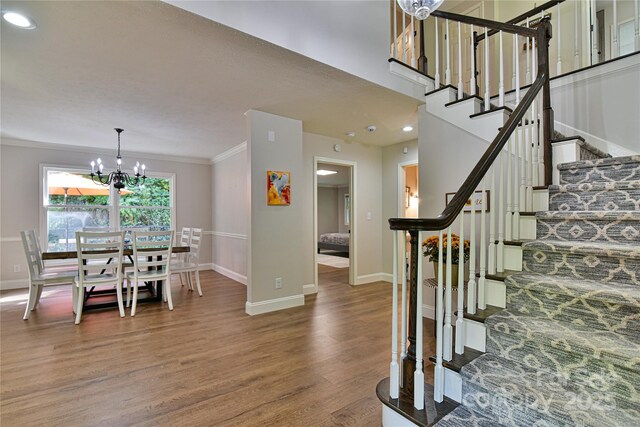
(471, 288)
(460, 315)
(447, 71)
(487, 95)
(448, 330)
(614, 42)
(558, 34)
(438, 374)
(501, 80)
(418, 375)
(483, 246)
(394, 370)
(460, 87)
(472, 82)
(437, 76)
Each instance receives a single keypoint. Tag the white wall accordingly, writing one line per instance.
(230, 206)
(342, 227)
(327, 210)
(368, 199)
(352, 36)
(274, 242)
(20, 201)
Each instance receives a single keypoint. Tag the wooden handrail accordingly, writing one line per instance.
(533, 12)
(541, 83)
(481, 22)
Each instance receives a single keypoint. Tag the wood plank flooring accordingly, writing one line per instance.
(206, 363)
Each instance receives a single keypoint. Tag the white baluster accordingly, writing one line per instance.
(524, 170)
(394, 49)
(394, 370)
(437, 76)
(483, 246)
(460, 315)
(558, 33)
(448, 330)
(471, 290)
(403, 313)
(487, 96)
(438, 374)
(501, 203)
(528, 75)
(418, 375)
(472, 83)
(534, 130)
(413, 43)
(447, 71)
(460, 87)
(594, 34)
(501, 79)
(636, 25)
(404, 38)
(513, 62)
(517, 135)
(615, 45)
(576, 34)
(540, 142)
(508, 218)
(491, 267)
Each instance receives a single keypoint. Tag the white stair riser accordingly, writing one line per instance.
(512, 257)
(540, 200)
(527, 227)
(563, 152)
(485, 126)
(495, 293)
(441, 97)
(452, 385)
(467, 107)
(391, 418)
(475, 335)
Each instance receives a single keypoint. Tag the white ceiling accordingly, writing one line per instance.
(339, 179)
(178, 83)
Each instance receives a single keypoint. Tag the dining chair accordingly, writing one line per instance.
(99, 264)
(152, 262)
(38, 276)
(185, 240)
(189, 264)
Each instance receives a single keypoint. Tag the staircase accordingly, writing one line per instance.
(566, 350)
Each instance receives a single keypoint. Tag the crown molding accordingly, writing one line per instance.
(230, 152)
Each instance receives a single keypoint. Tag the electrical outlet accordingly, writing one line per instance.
(278, 282)
(16, 268)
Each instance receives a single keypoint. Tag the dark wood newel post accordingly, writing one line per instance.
(409, 363)
(544, 38)
(422, 59)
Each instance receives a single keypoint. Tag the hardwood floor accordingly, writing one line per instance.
(206, 363)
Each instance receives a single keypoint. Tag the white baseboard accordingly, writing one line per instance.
(230, 274)
(310, 289)
(14, 284)
(260, 307)
(375, 277)
(205, 266)
(428, 311)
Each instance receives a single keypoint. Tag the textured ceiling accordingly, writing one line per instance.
(178, 83)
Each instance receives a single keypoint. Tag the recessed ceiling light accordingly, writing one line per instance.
(323, 172)
(407, 128)
(19, 20)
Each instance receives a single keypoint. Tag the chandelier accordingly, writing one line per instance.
(118, 178)
(421, 9)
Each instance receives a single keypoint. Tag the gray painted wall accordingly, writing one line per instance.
(327, 210)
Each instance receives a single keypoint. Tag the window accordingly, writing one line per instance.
(72, 202)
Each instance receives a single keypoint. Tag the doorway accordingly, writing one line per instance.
(334, 220)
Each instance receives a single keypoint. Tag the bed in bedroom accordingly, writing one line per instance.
(334, 242)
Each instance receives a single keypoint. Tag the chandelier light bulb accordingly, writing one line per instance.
(135, 170)
(143, 167)
(100, 166)
(119, 161)
(99, 161)
(93, 164)
(421, 9)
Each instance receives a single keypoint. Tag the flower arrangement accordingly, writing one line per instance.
(430, 248)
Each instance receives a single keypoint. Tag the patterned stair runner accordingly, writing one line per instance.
(566, 350)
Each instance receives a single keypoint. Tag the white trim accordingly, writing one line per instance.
(310, 289)
(428, 311)
(375, 277)
(602, 144)
(260, 307)
(106, 151)
(229, 235)
(333, 185)
(229, 153)
(414, 77)
(402, 183)
(391, 418)
(205, 266)
(353, 244)
(14, 284)
(10, 239)
(233, 275)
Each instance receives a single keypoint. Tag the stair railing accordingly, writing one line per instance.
(528, 128)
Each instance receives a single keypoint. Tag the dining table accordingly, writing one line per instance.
(153, 287)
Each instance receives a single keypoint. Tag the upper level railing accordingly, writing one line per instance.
(511, 167)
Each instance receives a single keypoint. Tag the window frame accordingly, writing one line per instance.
(114, 198)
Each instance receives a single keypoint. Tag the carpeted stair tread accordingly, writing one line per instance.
(594, 186)
(564, 337)
(594, 226)
(515, 395)
(585, 248)
(592, 196)
(464, 417)
(587, 290)
(609, 161)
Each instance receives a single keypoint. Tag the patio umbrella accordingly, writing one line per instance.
(68, 184)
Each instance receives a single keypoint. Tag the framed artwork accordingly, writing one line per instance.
(278, 188)
(476, 199)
